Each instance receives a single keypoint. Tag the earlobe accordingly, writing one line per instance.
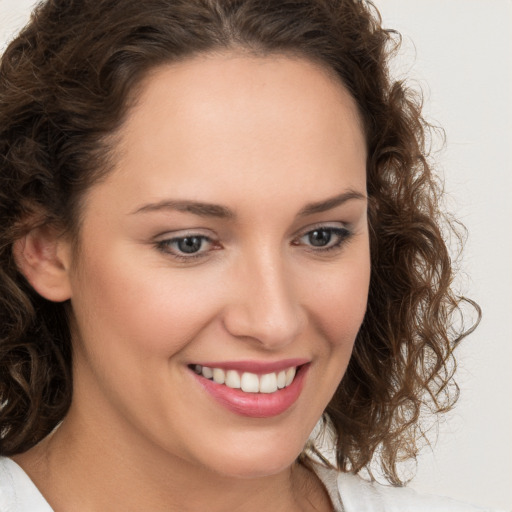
(43, 257)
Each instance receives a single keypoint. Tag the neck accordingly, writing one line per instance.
(82, 468)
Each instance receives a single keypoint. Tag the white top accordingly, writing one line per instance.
(17, 492)
(351, 493)
(348, 493)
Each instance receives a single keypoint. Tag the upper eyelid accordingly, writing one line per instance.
(323, 225)
(170, 239)
(215, 244)
(200, 232)
(165, 246)
(184, 233)
(326, 228)
(336, 229)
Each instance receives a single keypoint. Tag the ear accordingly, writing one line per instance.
(43, 256)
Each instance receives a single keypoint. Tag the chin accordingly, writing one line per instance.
(255, 463)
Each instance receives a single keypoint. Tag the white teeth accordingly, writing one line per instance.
(219, 375)
(281, 379)
(247, 381)
(232, 379)
(250, 382)
(290, 375)
(268, 383)
(207, 372)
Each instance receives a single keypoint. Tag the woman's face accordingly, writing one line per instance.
(231, 238)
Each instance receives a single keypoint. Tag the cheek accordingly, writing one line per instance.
(338, 302)
(134, 306)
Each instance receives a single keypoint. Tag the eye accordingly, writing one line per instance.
(189, 244)
(324, 238)
(186, 247)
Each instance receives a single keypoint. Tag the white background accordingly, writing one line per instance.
(460, 52)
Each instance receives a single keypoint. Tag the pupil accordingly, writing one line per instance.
(189, 244)
(320, 237)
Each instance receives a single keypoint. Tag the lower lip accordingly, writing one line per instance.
(255, 405)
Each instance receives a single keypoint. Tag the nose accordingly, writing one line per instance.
(263, 305)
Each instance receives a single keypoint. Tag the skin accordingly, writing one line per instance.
(263, 137)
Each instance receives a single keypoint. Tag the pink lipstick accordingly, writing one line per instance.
(253, 388)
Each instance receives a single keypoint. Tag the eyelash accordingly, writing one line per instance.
(165, 246)
(343, 234)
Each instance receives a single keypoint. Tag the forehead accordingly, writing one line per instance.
(234, 122)
(225, 88)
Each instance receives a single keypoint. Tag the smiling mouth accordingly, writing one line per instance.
(248, 382)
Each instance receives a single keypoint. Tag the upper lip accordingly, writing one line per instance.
(253, 366)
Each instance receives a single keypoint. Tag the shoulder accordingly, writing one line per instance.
(17, 491)
(357, 493)
(351, 493)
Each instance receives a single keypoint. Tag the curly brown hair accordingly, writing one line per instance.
(65, 87)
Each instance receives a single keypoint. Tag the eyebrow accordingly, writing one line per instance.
(330, 203)
(195, 207)
(218, 211)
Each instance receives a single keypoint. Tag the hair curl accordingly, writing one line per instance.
(65, 84)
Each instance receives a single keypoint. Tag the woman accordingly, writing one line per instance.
(218, 225)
